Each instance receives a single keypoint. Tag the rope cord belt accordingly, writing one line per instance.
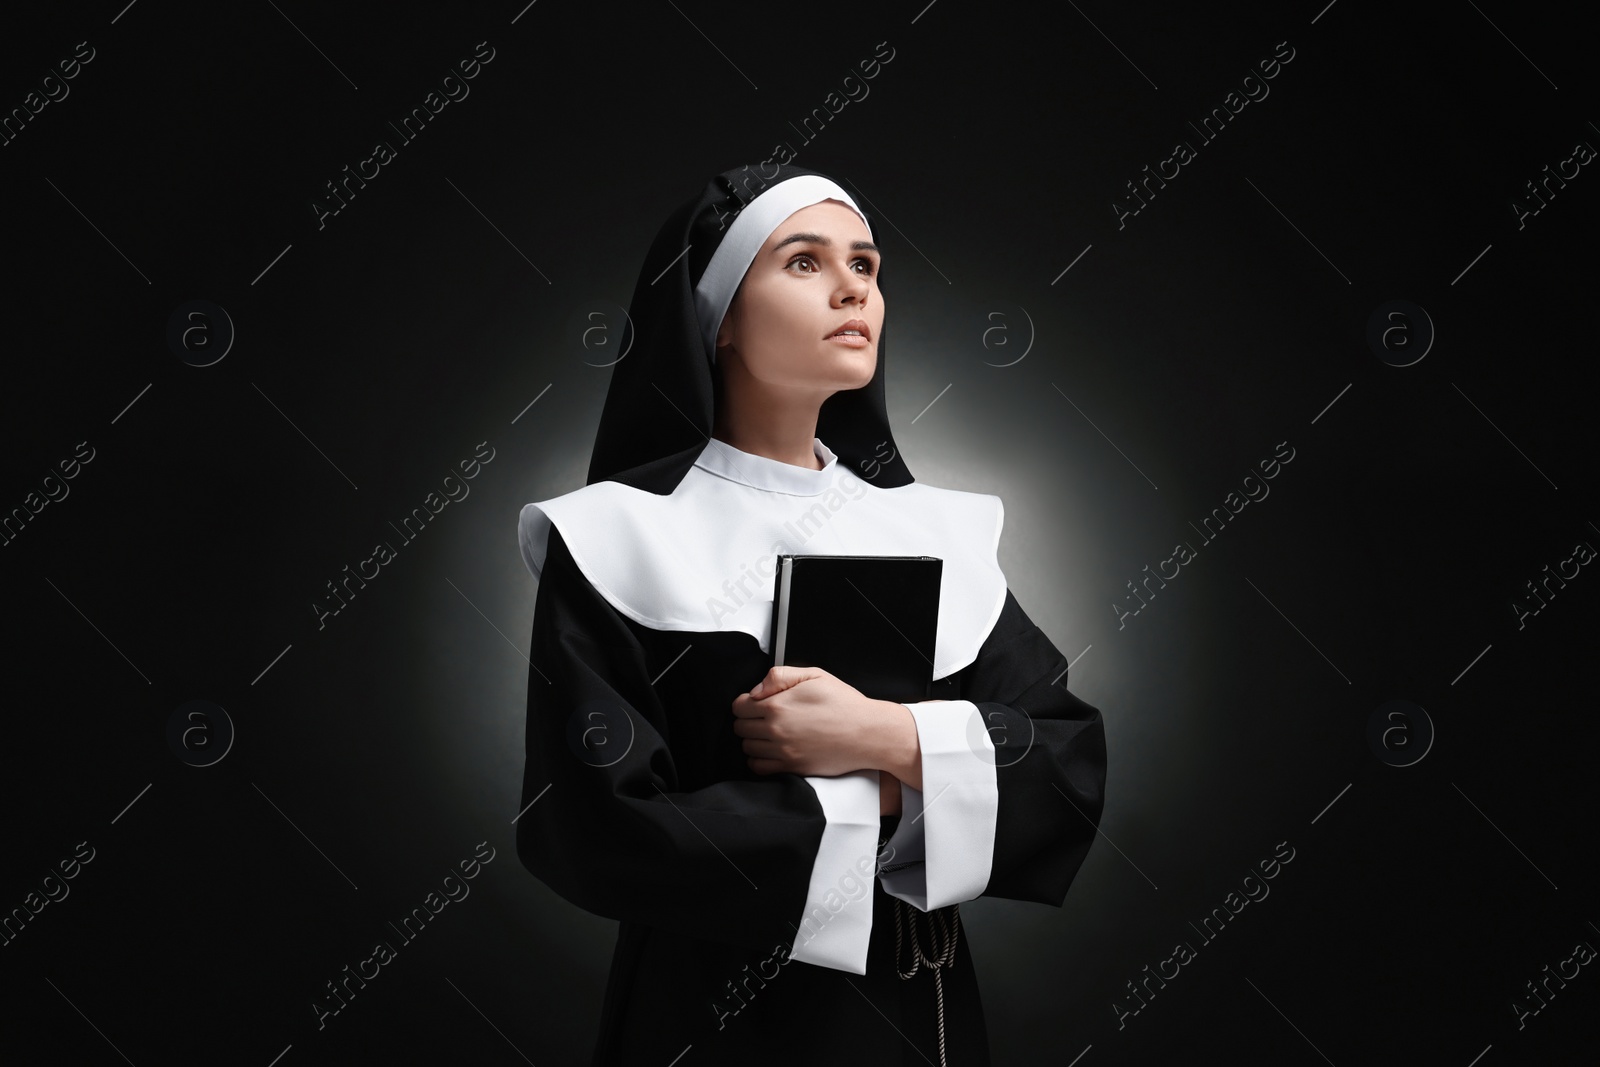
(941, 929)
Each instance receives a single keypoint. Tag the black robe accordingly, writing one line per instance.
(644, 810)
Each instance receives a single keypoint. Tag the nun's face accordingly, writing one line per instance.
(815, 275)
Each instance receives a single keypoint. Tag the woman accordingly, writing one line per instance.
(760, 832)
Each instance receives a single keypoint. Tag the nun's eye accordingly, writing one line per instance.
(861, 262)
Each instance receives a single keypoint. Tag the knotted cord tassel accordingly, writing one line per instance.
(943, 928)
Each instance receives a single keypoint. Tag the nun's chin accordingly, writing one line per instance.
(864, 365)
(839, 354)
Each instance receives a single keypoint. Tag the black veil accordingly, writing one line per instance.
(661, 402)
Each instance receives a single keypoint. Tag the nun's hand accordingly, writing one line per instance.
(888, 794)
(806, 721)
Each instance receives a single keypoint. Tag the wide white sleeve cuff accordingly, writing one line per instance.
(837, 923)
(942, 851)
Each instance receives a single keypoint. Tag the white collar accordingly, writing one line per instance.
(701, 558)
(759, 472)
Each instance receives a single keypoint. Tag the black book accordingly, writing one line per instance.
(869, 620)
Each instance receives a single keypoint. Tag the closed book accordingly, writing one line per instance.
(871, 621)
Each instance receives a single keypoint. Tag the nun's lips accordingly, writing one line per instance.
(853, 324)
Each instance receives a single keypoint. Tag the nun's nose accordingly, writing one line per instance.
(855, 290)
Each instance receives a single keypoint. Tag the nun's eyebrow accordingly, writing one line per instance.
(819, 239)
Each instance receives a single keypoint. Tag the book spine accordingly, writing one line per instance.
(780, 609)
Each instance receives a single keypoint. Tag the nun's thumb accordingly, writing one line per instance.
(779, 678)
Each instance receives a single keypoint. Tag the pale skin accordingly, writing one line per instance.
(777, 365)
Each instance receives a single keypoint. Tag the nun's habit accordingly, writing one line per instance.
(773, 919)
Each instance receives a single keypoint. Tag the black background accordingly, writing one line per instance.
(374, 351)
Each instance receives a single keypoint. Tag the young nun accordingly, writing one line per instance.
(785, 894)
